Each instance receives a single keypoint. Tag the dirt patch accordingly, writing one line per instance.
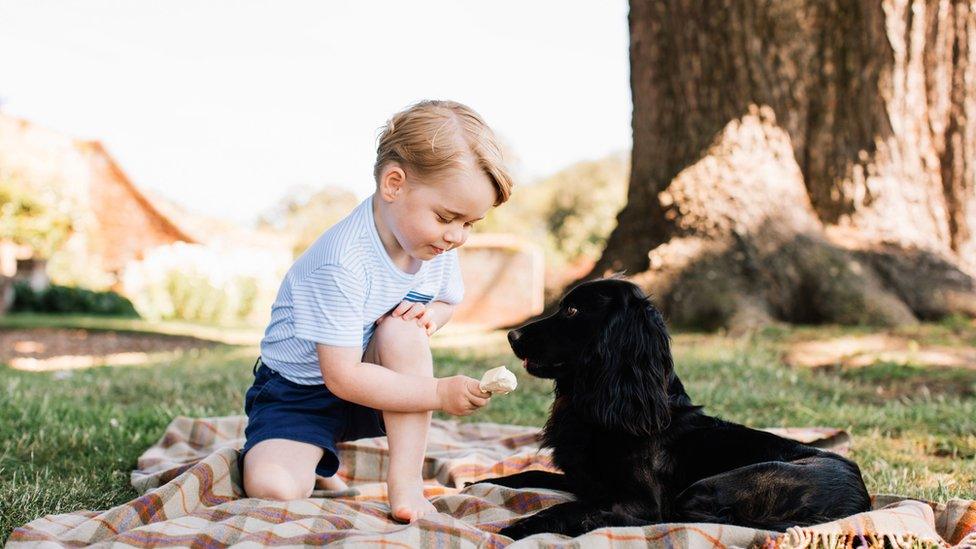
(890, 382)
(42, 349)
(861, 351)
(890, 366)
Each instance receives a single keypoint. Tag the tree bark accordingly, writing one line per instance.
(801, 160)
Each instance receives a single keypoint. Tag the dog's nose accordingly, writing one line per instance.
(513, 336)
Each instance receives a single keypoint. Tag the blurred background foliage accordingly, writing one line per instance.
(33, 215)
(569, 215)
(70, 300)
(306, 212)
(199, 283)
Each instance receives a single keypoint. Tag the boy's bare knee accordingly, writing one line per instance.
(270, 481)
(402, 346)
(399, 331)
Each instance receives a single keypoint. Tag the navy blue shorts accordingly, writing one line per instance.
(279, 408)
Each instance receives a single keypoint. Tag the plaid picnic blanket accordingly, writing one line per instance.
(191, 496)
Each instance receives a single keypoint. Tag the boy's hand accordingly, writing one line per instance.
(409, 310)
(460, 395)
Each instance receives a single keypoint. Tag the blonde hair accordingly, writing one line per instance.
(431, 137)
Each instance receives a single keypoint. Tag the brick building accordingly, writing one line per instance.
(113, 219)
(125, 222)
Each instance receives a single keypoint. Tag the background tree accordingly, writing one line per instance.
(801, 160)
(569, 214)
(31, 217)
(305, 213)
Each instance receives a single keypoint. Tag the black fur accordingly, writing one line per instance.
(635, 450)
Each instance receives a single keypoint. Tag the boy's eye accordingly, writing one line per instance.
(443, 219)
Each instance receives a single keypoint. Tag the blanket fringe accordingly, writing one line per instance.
(802, 538)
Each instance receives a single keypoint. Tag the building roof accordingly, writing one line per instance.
(123, 220)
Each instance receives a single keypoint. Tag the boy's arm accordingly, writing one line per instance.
(380, 388)
(441, 312)
(373, 385)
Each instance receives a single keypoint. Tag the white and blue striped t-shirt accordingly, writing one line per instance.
(336, 290)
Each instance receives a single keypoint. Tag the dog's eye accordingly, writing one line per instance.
(570, 312)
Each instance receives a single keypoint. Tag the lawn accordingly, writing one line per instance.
(68, 440)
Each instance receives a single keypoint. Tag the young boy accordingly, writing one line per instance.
(347, 353)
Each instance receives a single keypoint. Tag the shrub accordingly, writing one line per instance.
(201, 284)
(585, 200)
(66, 299)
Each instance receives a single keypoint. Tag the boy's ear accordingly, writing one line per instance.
(391, 181)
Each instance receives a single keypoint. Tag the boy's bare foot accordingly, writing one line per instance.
(331, 483)
(407, 502)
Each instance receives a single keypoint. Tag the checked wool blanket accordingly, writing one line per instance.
(191, 496)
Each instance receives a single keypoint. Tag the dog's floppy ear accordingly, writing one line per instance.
(622, 382)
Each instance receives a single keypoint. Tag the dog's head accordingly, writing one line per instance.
(608, 349)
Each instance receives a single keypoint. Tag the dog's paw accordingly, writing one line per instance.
(704, 502)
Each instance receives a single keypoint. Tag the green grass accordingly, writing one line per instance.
(232, 334)
(69, 442)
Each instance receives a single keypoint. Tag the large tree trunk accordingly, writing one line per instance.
(802, 160)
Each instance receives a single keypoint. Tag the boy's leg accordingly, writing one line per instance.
(404, 347)
(281, 469)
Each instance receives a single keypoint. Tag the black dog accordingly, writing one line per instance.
(633, 448)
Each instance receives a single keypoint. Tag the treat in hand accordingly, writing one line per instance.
(498, 381)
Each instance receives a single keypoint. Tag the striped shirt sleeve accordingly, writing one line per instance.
(452, 287)
(329, 307)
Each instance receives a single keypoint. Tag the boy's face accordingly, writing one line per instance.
(431, 215)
